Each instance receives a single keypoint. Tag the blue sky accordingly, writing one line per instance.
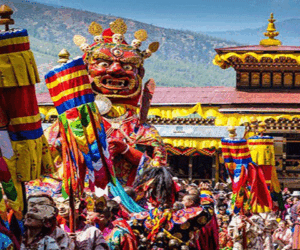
(196, 15)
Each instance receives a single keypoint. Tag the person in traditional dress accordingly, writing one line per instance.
(62, 238)
(117, 232)
(86, 236)
(283, 236)
(247, 231)
(191, 200)
(223, 213)
(225, 241)
(39, 224)
(270, 225)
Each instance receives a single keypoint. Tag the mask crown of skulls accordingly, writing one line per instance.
(115, 67)
(114, 37)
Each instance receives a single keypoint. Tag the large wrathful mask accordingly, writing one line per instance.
(116, 68)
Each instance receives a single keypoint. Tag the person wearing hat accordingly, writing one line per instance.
(86, 235)
(295, 196)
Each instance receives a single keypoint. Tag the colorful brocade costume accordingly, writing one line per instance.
(194, 227)
(20, 121)
(248, 181)
(119, 235)
(142, 137)
(116, 70)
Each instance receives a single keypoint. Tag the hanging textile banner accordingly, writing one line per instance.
(248, 182)
(84, 142)
(263, 154)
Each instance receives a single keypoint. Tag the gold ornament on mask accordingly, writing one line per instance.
(141, 35)
(131, 84)
(79, 40)
(95, 29)
(118, 26)
(153, 47)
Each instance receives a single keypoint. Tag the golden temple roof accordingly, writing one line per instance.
(268, 51)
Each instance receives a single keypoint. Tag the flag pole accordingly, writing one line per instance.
(72, 210)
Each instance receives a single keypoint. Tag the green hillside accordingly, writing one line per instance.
(184, 57)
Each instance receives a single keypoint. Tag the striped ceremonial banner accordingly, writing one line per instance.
(236, 151)
(263, 154)
(84, 142)
(14, 42)
(69, 85)
(248, 183)
(25, 120)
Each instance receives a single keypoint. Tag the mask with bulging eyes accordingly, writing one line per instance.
(116, 73)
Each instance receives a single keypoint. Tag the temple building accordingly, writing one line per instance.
(193, 120)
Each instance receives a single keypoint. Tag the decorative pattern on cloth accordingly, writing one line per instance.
(263, 154)
(184, 225)
(8, 188)
(31, 158)
(119, 235)
(83, 138)
(188, 151)
(140, 137)
(46, 185)
(248, 182)
(18, 67)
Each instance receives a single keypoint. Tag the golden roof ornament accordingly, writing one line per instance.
(253, 124)
(271, 33)
(64, 56)
(262, 127)
(232, 132)
(5, 13)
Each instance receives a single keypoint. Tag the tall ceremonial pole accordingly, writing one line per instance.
(64, 56)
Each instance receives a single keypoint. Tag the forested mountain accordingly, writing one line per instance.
(184, 57)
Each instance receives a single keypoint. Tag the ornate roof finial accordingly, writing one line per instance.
(262, 128)
(5, 13)
(64, 56)
(232, 132)
(271, 33)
